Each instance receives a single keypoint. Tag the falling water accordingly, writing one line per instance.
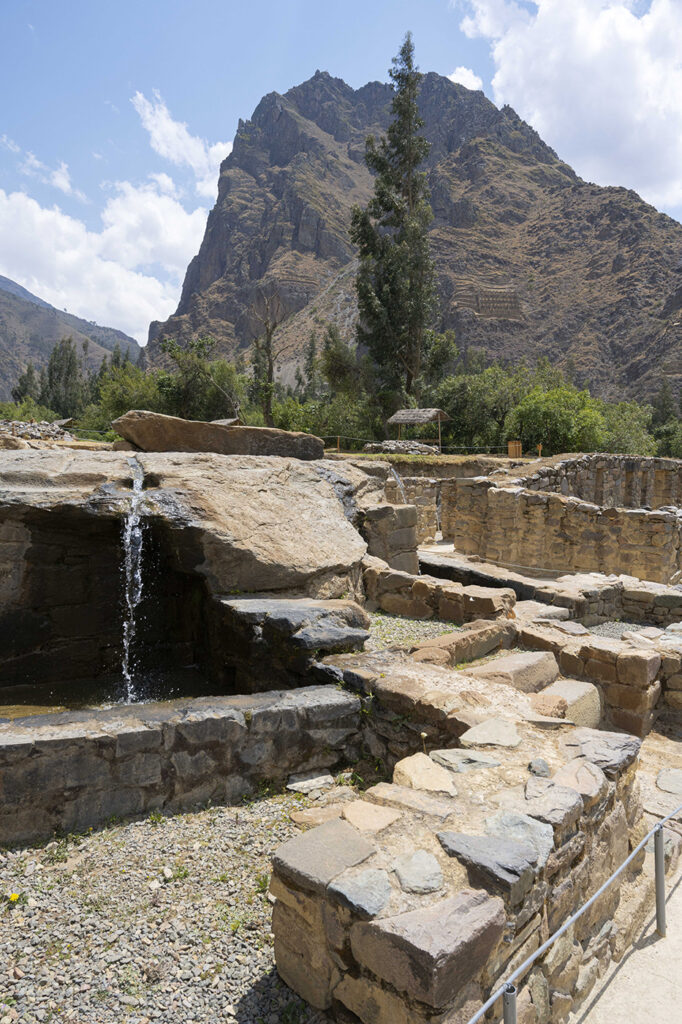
(403, 492)
(439, 512)
(132, 568)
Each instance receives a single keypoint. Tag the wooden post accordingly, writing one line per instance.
(540, 450)
(399, 429)
(338, 444)
(440, 447)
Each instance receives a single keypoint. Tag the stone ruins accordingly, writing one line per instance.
(523, 752)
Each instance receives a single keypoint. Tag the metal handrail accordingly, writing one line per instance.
(507, 989)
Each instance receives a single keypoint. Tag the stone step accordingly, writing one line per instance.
(583, 701)
(528, 671)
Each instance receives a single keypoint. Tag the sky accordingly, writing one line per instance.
(115, 117)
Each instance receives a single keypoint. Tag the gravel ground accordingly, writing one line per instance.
(387, 630)
(160, 920)
(614, 629)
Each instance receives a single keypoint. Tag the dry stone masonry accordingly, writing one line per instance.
(66, 772)
(591, 514)
(503, 753)
(415, 915)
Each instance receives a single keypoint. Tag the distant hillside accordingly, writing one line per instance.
(531, 260)
(30, 327)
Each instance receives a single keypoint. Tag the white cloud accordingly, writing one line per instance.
(143, 226)
(111, 275)
(466, 77)
(173, 141)
(58, 177)
(128, 271)
(9, 144)
(600, 80)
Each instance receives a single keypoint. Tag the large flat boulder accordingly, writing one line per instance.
(154, 432)
(215, 527)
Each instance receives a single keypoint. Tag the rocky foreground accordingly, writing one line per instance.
(164, 920)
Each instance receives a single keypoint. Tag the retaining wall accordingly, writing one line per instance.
(524, 529)
(590, 598)
(414, 905)
(69, 771)
(614, 480)
(424, 494)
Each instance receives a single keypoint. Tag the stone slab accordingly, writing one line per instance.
(463, 760)
(309, 782)
(432, 953)
(499, 863)
(404, 798)
(313, 860)
(521, 828)
(418, 872)
(583, 701)
(366, 894)
(419, 772)
(493, 732)
(370, 817)
(613, 752)
(527, 671)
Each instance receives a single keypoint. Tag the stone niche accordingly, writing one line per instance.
(62, 599)
(247, 567)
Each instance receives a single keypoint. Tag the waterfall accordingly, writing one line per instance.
(132, 570)
(439, 510)
(401, 488)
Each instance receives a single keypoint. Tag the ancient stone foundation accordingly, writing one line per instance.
(415, 902)
(66, 772)
(535, 523)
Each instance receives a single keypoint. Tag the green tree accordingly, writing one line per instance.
(199, 388)
(664, 406)
(562, 419)
(27, 385)
(395, 281)
(627, 428)
(65, 385)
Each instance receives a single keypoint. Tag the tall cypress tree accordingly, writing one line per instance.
(395, 282)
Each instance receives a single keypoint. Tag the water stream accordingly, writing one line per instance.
(133, 537)
(401, 488)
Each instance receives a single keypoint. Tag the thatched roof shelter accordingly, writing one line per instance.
(412, 416)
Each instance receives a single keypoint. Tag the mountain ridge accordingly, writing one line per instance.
(531, 260)
(30, 328)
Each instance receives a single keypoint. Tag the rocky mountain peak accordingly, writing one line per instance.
(531, 260)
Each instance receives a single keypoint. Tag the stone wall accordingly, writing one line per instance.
(67, 772)
(424, 597)
(589, 598)
(424, 494)
(391, 534)
(525, 529)
(414, 904)
(618, 481)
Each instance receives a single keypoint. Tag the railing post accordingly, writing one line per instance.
(659, 863)
(509, 1004)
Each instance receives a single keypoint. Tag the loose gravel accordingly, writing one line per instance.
(389, 630)
(161, 920)
(614, 629)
